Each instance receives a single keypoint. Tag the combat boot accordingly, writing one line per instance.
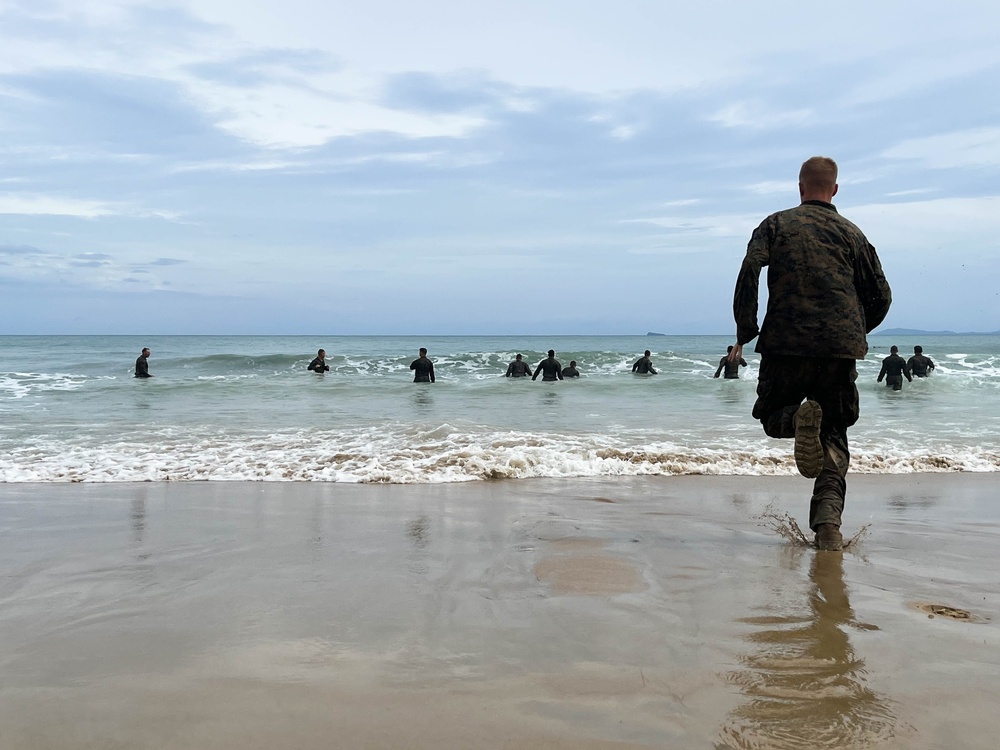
(829, 538)
(808, 448)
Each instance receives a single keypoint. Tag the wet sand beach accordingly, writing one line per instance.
(643, 612)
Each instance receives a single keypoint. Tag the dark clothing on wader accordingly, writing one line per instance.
(423, 370)
(643, 366)
(319, 365)
(826, 291)
(732, 368)
(142, 368)
(893, 369)
(919, 365)
(518, 369)
(550, 369)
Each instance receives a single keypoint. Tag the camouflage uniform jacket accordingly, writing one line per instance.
(825, 285)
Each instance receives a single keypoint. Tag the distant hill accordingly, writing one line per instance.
(919, 332)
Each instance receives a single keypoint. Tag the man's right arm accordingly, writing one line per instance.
(748, 283)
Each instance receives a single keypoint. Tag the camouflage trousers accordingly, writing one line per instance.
(783, 383)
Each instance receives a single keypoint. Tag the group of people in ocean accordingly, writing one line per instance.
(549, 368)
(895, 368)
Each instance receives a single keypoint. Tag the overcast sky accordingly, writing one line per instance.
(223, 166)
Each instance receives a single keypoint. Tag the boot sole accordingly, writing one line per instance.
(808, 448)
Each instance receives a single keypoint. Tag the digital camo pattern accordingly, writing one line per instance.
(826, 289)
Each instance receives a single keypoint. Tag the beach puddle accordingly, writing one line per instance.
(944, 610)
(575, 543)
(578, 565)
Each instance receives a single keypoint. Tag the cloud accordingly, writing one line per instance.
(258, 67)
(37, 205)
(167, 262)
(759, 116)
(19, 250)
(772, 187)
(718, 225)
(275, 151)
(932, 224)
(976, 148)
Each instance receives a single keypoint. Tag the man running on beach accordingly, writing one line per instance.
(644, 365)
(919, 365)
(423, 368)
(550, 368)
(893, 369)
(826, 291)
(142, 364)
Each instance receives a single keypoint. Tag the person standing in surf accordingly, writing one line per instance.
(644, 365)
(142, 364)
(732, 368)
(518, 368)
(549, 368)
(826, 292)
(319, 363)
(893, 369)
(423, 368)
(919, 365)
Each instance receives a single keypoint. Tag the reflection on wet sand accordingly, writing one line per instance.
(137, 518)
(422, 398)
(804, 684)
(418, 532)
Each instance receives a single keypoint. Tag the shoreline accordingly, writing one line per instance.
(590, 613)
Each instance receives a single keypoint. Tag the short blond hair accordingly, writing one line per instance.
(818, 172)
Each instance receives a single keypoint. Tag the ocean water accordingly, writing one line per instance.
(246, 408)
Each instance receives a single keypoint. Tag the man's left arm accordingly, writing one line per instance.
(872, 287)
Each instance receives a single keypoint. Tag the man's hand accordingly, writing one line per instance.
(737, 353)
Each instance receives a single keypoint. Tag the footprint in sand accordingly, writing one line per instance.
(952, 613)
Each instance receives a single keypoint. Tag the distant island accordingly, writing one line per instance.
(654, 333)
(919, 332)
